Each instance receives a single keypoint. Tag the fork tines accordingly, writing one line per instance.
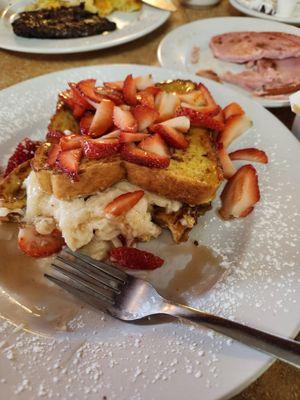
(93, 281)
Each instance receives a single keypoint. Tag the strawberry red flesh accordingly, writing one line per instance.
(202, 120)
(124, 120)
(85, 123)
(36, 245)
(123, 203)
(145, 116)
(250, 154)
(68, 162)
(132, 258)
(87, 89)
(70, 142)
(173, 137)
(23, 152)
(103, 118)
(240, 194)
(181, 123)
(131, 153)
(167, 104)
(95, 149)
(52, 156)
(155, 144)
(54, 136)
(129, 90)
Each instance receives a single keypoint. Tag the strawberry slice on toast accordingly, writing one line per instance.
(132, 258)
(103, 118)
(36, 245)
(95, 149)
(127, 137)
(172, 136)
(129, 90)
(155, 144)
(68, 162)
(130, 152)
(124, 120)
(52, 156)
(145, 116)
(70, 142)
(240, 194)
(85, 123)
(166, 104)
(226, 163)
(87, 88)
(123, 203)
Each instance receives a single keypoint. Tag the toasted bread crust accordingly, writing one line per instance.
(165, 183)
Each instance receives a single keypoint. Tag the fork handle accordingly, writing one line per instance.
(287, 350)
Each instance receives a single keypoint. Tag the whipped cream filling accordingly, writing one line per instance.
(83, 223)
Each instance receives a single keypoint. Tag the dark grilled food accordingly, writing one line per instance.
(60, 23)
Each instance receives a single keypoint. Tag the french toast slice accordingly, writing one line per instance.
(192, 177)
(92, 176)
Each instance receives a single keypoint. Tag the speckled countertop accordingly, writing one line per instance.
(280, 382)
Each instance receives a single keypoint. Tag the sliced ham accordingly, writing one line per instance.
(241, 47)
(268, 77)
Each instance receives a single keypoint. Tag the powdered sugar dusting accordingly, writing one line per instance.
(101, 357)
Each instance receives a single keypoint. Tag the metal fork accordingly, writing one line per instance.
(129, 298)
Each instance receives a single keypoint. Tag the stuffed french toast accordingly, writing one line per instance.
(123, 160)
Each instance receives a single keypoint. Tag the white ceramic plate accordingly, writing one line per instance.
(130, 26)
(104, 357)
(175, 49)
(293, 19)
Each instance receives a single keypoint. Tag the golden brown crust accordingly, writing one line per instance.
(166, 183)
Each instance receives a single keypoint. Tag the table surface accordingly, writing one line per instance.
(280, 382)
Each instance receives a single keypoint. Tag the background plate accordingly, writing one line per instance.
(175, 49)
(100, 356)
(130, 26)
(293, 19)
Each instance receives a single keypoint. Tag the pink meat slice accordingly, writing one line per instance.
(266, 75)
(241, 47)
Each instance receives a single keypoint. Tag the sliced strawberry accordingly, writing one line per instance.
(173, 137)
(155, 144)
(111, 94)
(36, 245)
(166, 104)
(129, 90)
(211, 105)
(232, 109)
(95, 149)
(68, 162)
(128, 137)
(70, 142)
(85, 123)
(103, 118)
(147, 97)
(117, 85)
(112, 135)
(250, 154)
(143, 82)
(132, 258)
(234, 127)
(203, 120)
(182, 123)
(240, 194)
(220, 118)
(87, 88)
(131, 153)
(23, 152)
(77, 96)
(66, 96)
(145, 116)
(227, 165)
(52, 156)
(53, 136)
(123, 203)
(124, 120)
(194, 98)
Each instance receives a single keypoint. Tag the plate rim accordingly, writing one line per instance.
(266, 364)
(164, 16)
(264, 102)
